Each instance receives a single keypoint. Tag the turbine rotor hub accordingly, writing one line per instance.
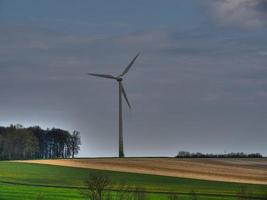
(119, 79)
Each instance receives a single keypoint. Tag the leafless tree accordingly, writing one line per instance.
(40, 196)
(139, 194)
(123, 192)
(173, 197)
(193, 195)
(95, 186)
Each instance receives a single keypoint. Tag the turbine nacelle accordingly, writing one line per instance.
(119, 78)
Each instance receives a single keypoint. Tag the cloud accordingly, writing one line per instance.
(262, 53)
(242, 13)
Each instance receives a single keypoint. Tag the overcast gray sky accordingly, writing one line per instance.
(199, 84)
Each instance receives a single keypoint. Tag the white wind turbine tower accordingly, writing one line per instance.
(119, 79)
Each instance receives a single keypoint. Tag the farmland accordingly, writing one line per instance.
(31, 181)
(229, 170)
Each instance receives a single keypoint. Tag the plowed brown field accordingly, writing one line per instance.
(229, 170)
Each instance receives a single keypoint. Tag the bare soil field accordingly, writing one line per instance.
(229, 170)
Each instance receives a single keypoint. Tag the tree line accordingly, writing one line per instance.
(17, 142)
(186, 154)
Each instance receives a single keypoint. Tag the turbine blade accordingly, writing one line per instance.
(102, 75)
(129, 66)
(125, 96)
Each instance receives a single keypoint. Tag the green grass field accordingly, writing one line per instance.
(30, 181)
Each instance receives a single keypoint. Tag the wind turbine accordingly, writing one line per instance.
(119, 79)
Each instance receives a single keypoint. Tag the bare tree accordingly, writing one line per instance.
(244, 194)
(122, 192)
(174, 197)
(139, 194)
(193, 195)
(95, 186)
(40, 196)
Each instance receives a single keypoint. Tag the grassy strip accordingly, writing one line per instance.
(16, 192)
(130, 190)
